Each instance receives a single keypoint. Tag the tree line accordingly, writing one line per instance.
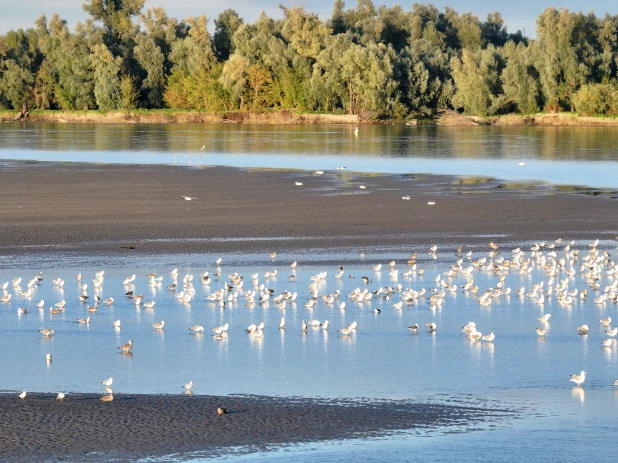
(368, 60)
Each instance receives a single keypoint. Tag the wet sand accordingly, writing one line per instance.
(82, 428)
(107, 209)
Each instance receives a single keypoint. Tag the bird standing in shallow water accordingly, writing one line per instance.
(579, 379)
(126, 347)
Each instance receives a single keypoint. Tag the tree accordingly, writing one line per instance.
(425, 78)
(477, 81)
(129, 94)
(226, 26)
(259, 80)
(520, 81)
(16, 84)
(234, 78)
(556, 59)
(106, 82)
(194, 53)
(493, 30)
(67, 58)
(304, 31)
(150, 57)
(115, 15)
(337, 22)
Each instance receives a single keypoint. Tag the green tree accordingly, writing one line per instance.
(106, 82)
(477, 79)
(226, 25)
(129, 95)
(519, 78)
(194, 53)
(304, 32)
(234, 79)
(16, 84)
(151, 59)
(337, 22)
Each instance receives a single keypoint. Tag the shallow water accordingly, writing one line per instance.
(383, 359)
(558, 155)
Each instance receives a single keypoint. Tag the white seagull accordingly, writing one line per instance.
(579, 379)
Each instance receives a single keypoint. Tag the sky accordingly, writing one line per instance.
(518, 15)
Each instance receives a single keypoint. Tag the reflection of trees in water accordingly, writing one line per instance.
(492, 143)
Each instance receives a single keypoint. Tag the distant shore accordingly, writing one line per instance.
(168, 116)
(112, 210)
(82, 428)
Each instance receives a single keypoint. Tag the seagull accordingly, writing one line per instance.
(48, 357)
(46, 331)
(431, 326)
(197, 328)
(406, 198)
(606, 321)
(362, 187)
(60, 396)
(613, 332)
(413, 328)
(523, 164)
(607, 342)
(431, 203)
(84, 321)
(541, 331)
(282, 323)
(188, 386)
(489, 337)
(116, 323)
(545, 318)
(126, 347)
(22, 396)
(583, 329)
(108, 382)
(345, 331)
(159, 326)
(579, 379)
(298, 183)
(221, 329)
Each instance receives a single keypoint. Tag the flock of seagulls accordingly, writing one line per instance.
(560, 262)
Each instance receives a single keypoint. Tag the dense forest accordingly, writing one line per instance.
(367, 60)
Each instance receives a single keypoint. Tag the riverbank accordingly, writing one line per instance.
(452, 118)
(142, 209)
(168, 116)
(82, 428)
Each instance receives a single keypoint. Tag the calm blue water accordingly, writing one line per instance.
(570, 156)
(383, 359)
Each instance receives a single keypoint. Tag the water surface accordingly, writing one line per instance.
(383, 359)
(559, 155)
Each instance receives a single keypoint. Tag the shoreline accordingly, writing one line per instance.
(41, 428)
(169, 116)
(119, 210)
